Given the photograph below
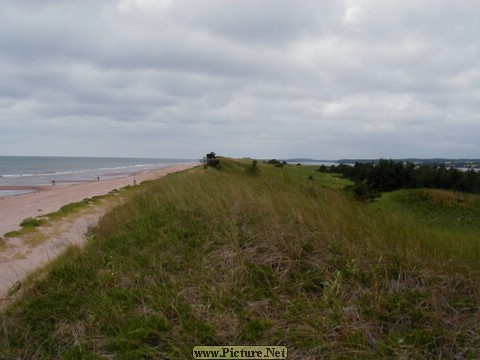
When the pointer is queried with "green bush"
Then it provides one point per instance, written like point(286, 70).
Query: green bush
point(31, 223)
point(363, 192)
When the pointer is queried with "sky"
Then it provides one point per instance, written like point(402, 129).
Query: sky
point(243, 78)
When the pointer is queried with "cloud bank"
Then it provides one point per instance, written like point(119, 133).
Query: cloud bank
point(269, 78)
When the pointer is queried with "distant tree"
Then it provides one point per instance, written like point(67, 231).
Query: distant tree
point(323, 169)
point(389, 175)
point(276, 163)
point(211, 160)
point(426, 176)
point(471, 182)
point(211, 156)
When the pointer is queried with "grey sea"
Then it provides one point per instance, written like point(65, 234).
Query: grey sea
point(21, 172)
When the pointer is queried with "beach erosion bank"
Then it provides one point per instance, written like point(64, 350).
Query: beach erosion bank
point(19, 259)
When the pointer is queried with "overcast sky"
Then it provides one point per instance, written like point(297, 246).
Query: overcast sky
point(243, 78)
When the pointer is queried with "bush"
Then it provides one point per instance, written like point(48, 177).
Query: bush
point(363, 192)
point(253, 169)
point(276, 163)
point(31, 223)
point(211, 160)
point(215, 163)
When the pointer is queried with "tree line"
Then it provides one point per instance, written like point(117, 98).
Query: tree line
point(389, 175)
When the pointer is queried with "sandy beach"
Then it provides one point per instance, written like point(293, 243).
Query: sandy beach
point(17, 259)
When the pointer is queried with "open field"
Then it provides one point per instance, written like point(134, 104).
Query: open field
point(284, 257)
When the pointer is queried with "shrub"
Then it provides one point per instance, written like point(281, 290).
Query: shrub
point(253, 169)
point(211, 160)
point(363, 192)
point(31, 223)
point(273, 162)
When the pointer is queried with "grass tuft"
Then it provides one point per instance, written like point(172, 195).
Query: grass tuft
point(28, 225)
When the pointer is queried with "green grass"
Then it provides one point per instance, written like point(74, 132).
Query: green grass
point(450, 220)
point(301, 173)
point(74, 207)
point(441, 208)
point(28, 225)
point(219, 257)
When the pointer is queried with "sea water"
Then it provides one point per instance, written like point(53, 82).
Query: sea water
point(39, 170)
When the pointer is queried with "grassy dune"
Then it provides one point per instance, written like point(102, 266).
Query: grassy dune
point(221, 257)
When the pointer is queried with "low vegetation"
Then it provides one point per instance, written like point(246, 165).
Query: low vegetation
point(74, 207)
point(27, 226)
point(286, 257)
point(211, 160)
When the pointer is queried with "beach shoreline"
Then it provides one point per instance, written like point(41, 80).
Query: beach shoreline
point(42, 200)
point(17, 259)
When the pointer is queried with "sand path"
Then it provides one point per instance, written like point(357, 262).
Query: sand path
point(18, 257)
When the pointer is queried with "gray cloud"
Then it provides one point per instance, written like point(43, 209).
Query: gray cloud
point(266, 78)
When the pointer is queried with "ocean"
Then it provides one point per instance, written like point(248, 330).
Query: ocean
point(25, 171)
